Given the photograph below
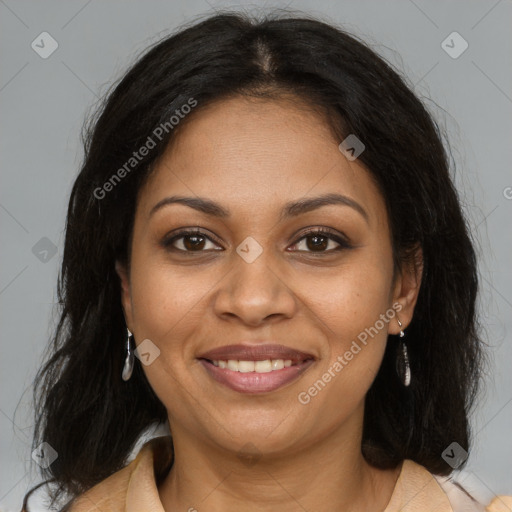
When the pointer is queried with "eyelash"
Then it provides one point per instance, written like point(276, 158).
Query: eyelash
point(322, 232)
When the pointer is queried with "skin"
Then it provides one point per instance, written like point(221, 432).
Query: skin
point(251, 156)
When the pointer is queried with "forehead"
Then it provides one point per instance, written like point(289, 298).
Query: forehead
point(252, 154)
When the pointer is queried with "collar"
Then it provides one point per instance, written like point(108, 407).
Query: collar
point(150, 468)
point(135, 487)
point(417, 490)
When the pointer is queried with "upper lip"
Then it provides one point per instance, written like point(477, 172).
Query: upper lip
point(260, 352)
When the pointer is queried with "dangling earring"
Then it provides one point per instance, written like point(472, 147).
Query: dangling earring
point(128, 362)
point(403, 367)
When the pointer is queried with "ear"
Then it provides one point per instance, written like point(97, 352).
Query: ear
point(126, 299)
point(406, 289)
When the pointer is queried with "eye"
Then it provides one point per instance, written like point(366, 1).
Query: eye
point(316, 240)
point(321, 240)
point(189, 241)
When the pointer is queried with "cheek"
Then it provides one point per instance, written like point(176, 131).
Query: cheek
point(349, 299)
point(166, 310)
point(166, 299)
point(356, 341)
point(351, 307)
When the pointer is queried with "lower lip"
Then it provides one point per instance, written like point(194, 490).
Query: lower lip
point(253, 382)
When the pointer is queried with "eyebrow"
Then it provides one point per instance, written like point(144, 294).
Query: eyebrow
point(290, 209)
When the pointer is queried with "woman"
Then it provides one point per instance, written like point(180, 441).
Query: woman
point(264, 249)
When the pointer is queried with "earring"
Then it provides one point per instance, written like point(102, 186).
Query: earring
point(403, 366)
point(402, 333)
point(128, 362)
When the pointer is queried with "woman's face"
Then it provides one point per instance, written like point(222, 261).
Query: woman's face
point(253, 276)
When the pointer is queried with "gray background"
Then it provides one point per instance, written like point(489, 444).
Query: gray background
point(43, 103)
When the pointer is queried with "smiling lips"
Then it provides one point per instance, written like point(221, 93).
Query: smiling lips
point(255, 369)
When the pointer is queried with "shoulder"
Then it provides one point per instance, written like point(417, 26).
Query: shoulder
point(462, 500)
point(111, 494)
point(440, 493)
point(500, 504)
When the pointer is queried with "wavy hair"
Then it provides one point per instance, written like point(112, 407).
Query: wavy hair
point(87, 413)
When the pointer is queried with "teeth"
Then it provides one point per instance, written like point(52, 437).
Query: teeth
point(278, 364)
point(233, 365)
point(241, 366)
point(266, 366)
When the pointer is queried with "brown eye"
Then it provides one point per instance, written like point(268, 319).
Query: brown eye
point(189, 241)
point(193, 242)
point(321, 241)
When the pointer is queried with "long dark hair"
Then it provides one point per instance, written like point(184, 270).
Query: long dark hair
point(83, 408)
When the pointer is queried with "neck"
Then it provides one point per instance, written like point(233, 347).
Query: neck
point(329, 474)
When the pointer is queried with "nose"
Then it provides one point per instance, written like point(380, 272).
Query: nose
point(255, 292)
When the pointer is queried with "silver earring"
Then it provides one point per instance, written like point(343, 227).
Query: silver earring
point(129, 360)
point(403, 366)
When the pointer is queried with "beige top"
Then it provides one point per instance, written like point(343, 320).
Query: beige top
point(135, 488)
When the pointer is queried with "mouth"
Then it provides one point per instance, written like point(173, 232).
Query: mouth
point(255, 369)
